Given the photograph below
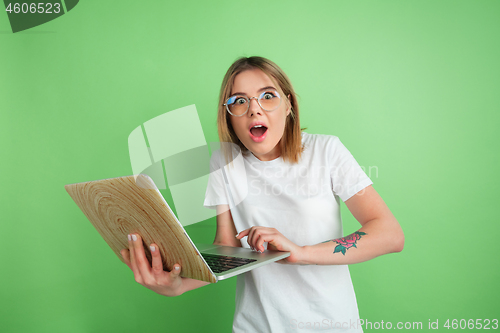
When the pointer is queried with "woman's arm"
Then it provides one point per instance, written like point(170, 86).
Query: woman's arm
point(380, 234)
point(225, 228)
point(152, 276)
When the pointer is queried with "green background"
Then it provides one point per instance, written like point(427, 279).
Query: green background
point(410, 87)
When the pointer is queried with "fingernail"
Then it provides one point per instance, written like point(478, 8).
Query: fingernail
point(129, 237)
point(134, 237)
point(177, 268)
point(152, 248)
point(259, 251)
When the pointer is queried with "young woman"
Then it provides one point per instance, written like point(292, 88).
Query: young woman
point(290, 202)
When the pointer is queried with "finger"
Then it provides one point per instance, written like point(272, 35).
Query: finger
point(272, 240)
point(259, 244)
point(265, 236)
point(157, 263)
point(242, 233)
point(126, 257)
point(250, 234)
point(174, 273)
point(157, 267)
point(256, 235)
point(133, 261)
point(140, 256)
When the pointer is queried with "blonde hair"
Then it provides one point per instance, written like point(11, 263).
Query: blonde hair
point(291, 142)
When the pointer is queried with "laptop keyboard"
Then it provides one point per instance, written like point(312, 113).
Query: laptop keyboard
point(220, 264)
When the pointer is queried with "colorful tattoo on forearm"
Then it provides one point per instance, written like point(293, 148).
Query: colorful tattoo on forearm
point(347, 242)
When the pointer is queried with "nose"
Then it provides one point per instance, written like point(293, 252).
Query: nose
point(254, 107)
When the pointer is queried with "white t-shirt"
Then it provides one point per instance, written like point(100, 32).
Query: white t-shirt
point(302, 202)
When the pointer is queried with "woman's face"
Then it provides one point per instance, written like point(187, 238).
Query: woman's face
point(263, 142)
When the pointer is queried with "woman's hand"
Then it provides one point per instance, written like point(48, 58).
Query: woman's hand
point(151, 276)
point(256, 236)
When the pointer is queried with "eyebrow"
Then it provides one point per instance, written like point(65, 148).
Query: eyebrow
point(265, 88)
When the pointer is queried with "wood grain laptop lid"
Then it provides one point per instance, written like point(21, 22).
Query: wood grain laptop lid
point(117, 207)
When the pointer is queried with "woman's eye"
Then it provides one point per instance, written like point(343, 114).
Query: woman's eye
point(240, 101)
point(268, 95)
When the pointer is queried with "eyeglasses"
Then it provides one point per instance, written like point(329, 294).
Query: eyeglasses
point(238, 105)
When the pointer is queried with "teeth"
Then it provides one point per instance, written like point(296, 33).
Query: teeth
point(257, 126)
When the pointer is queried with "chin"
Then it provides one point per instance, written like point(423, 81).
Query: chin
point(261, 150)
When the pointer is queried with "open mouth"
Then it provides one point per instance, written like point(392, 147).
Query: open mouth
point(258, 133)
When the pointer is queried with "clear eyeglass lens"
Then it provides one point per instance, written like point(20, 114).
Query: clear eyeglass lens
point(238, 104)
point(269, 100)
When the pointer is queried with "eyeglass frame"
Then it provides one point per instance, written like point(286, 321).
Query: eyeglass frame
point(249, 101)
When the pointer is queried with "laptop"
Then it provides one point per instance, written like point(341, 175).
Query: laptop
point(119, 206)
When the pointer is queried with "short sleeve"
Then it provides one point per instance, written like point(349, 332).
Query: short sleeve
point(216, 191)
point(347, 177)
